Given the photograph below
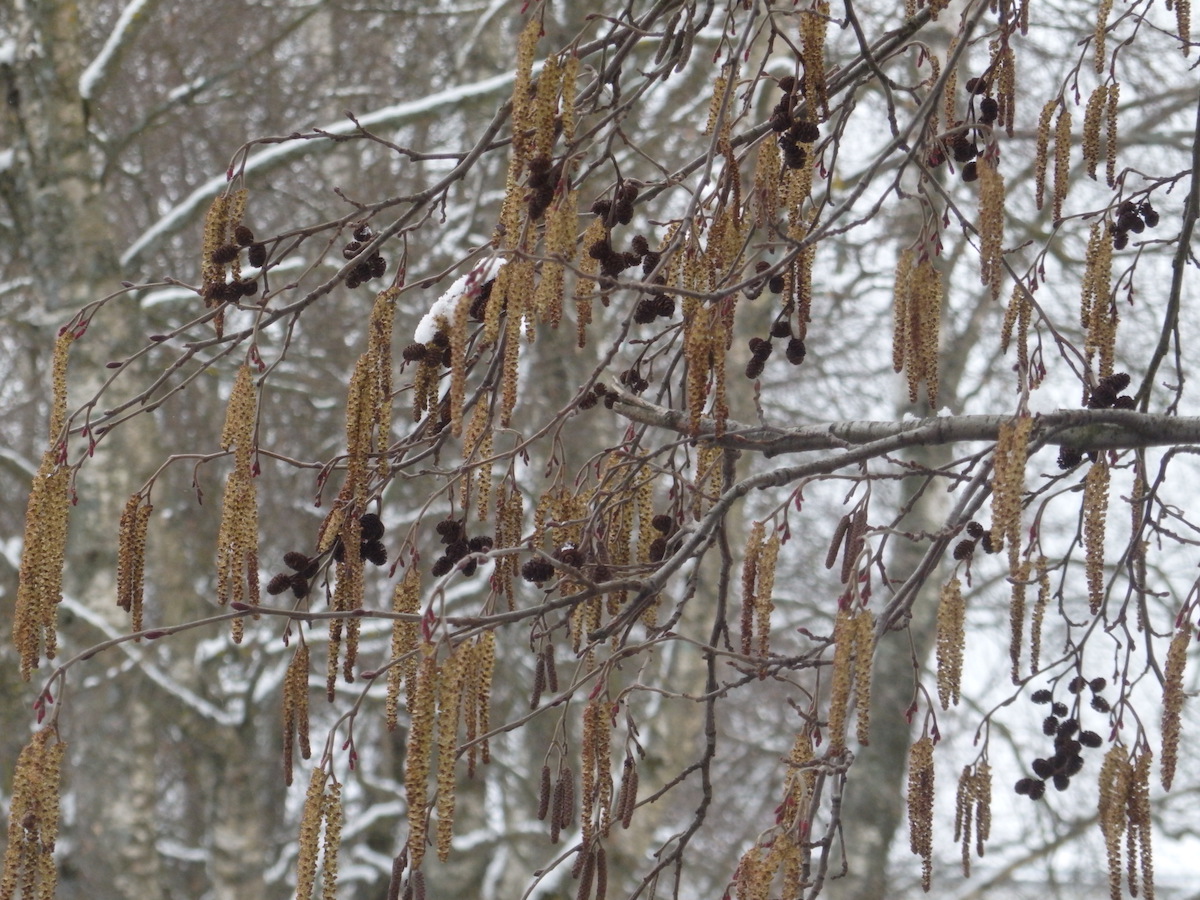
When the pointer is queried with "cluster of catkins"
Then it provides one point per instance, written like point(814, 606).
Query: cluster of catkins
point(453, 534)
point(1106, 395)
point(1135, 217)
point(372, 267)
point(232, 291)
point(305, 568)
point(1069, 740)
point(792, 132)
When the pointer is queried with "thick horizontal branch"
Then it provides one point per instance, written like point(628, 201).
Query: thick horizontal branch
point(1085, 429)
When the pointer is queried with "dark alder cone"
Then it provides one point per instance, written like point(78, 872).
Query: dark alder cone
point(775, 285)
point(627, 193)
point(640, 245)
point(1102, 397)
point(759, 348)
point(664, 305)
point(796, 351)
point(781, 118)
point(600, 574)
point(226, 253)
point(374, 552)
point(1022, 786)
point(1062, 782)
point(1149, 214)
point(339, 551)
point(296, 561)
point(257, 255)
point(457, 550)
point(935, 157)
point(537, 570)
point(570, 555)
point(986, 543)
point(540, 200)
point(363, 232)
point(1069, 457)
point(480, 543)
point(372, 526)
point(469, 567)
point(624, 211)
point(588, 400)
point(1068, 728)
point(970, 172)
point(781, 329)
point(353, 280)
point(1098, 684)
point(450, 530)
point(1049, 725)
point(975, 530)
point(440, 339)
point(645, 311)
point(279, 584)
point(1090, 739)
point(1037, 789)
point(539, 170)
point(1120, 239)
point(650, 260)
point(1041, 696)
point(658, 549)
point(965, 151)
point(1042, 768)
point(1125, 402)
point(441, 566)
point(1059, 708)
point(414, 352)
point(794, 156)
point(964, 549)
point(247, 287)
point(243, 235)
point(976, 85)
point(805, 131)
point(1077, 684)
point(377, 266)
point(601, 208)
point(1099, 704)
point(1072, 765)
point(662, 522)
point(787, 84)
point(1118, 381)
point(754, 367)
point(352, 250)
point(299, 585)
point(989, 109)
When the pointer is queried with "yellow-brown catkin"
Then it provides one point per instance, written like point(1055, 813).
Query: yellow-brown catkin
point(1103, 8)
point(310, 835)
point(331, 811)
point(842, 678)
point(864, 654)
point(1042, 153)
point(991, 225)
point(1095, 511)
point(1039, 614)
point(1006, 87)
point(1016, 618)
point(767, 184)
point(1062, 160)
point(485, 669)
point(585, 284)
point(1139, 851)
point(596, 769)
point(950, 89)
point(520, 290)
point(754, 874)
point(523, 94)
point(1183, 23)
point(39, 587)
point(295, 710)
point(720, 86)
point(1116, 776)
point(768, 557)
point(900, 339)
point(1092, 117)
point(1101, 338)
point(749, 579)
point(951, 616)
point(450, 688)
point(1018, 315)
point(33, 818)
point(1008, 486)
point(379, 349)
point(813, 24)
point(1172, 707)
point(919, 300)
point(545, 107)
point(422, 703)
point(237, 538)
point(920, 805)
point(131, 558)
point(1110, 134)
point(973, 811)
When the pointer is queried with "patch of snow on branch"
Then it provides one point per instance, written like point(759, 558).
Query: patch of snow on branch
point(98, 67)
point(444, 306)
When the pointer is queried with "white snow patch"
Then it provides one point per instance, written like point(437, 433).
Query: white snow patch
point(98, 67)
point(444, 306)
point(390, 116)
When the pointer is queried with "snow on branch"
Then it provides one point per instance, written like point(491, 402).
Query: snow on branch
point(389, 117)
point(99, 69)
point(1085, 429)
